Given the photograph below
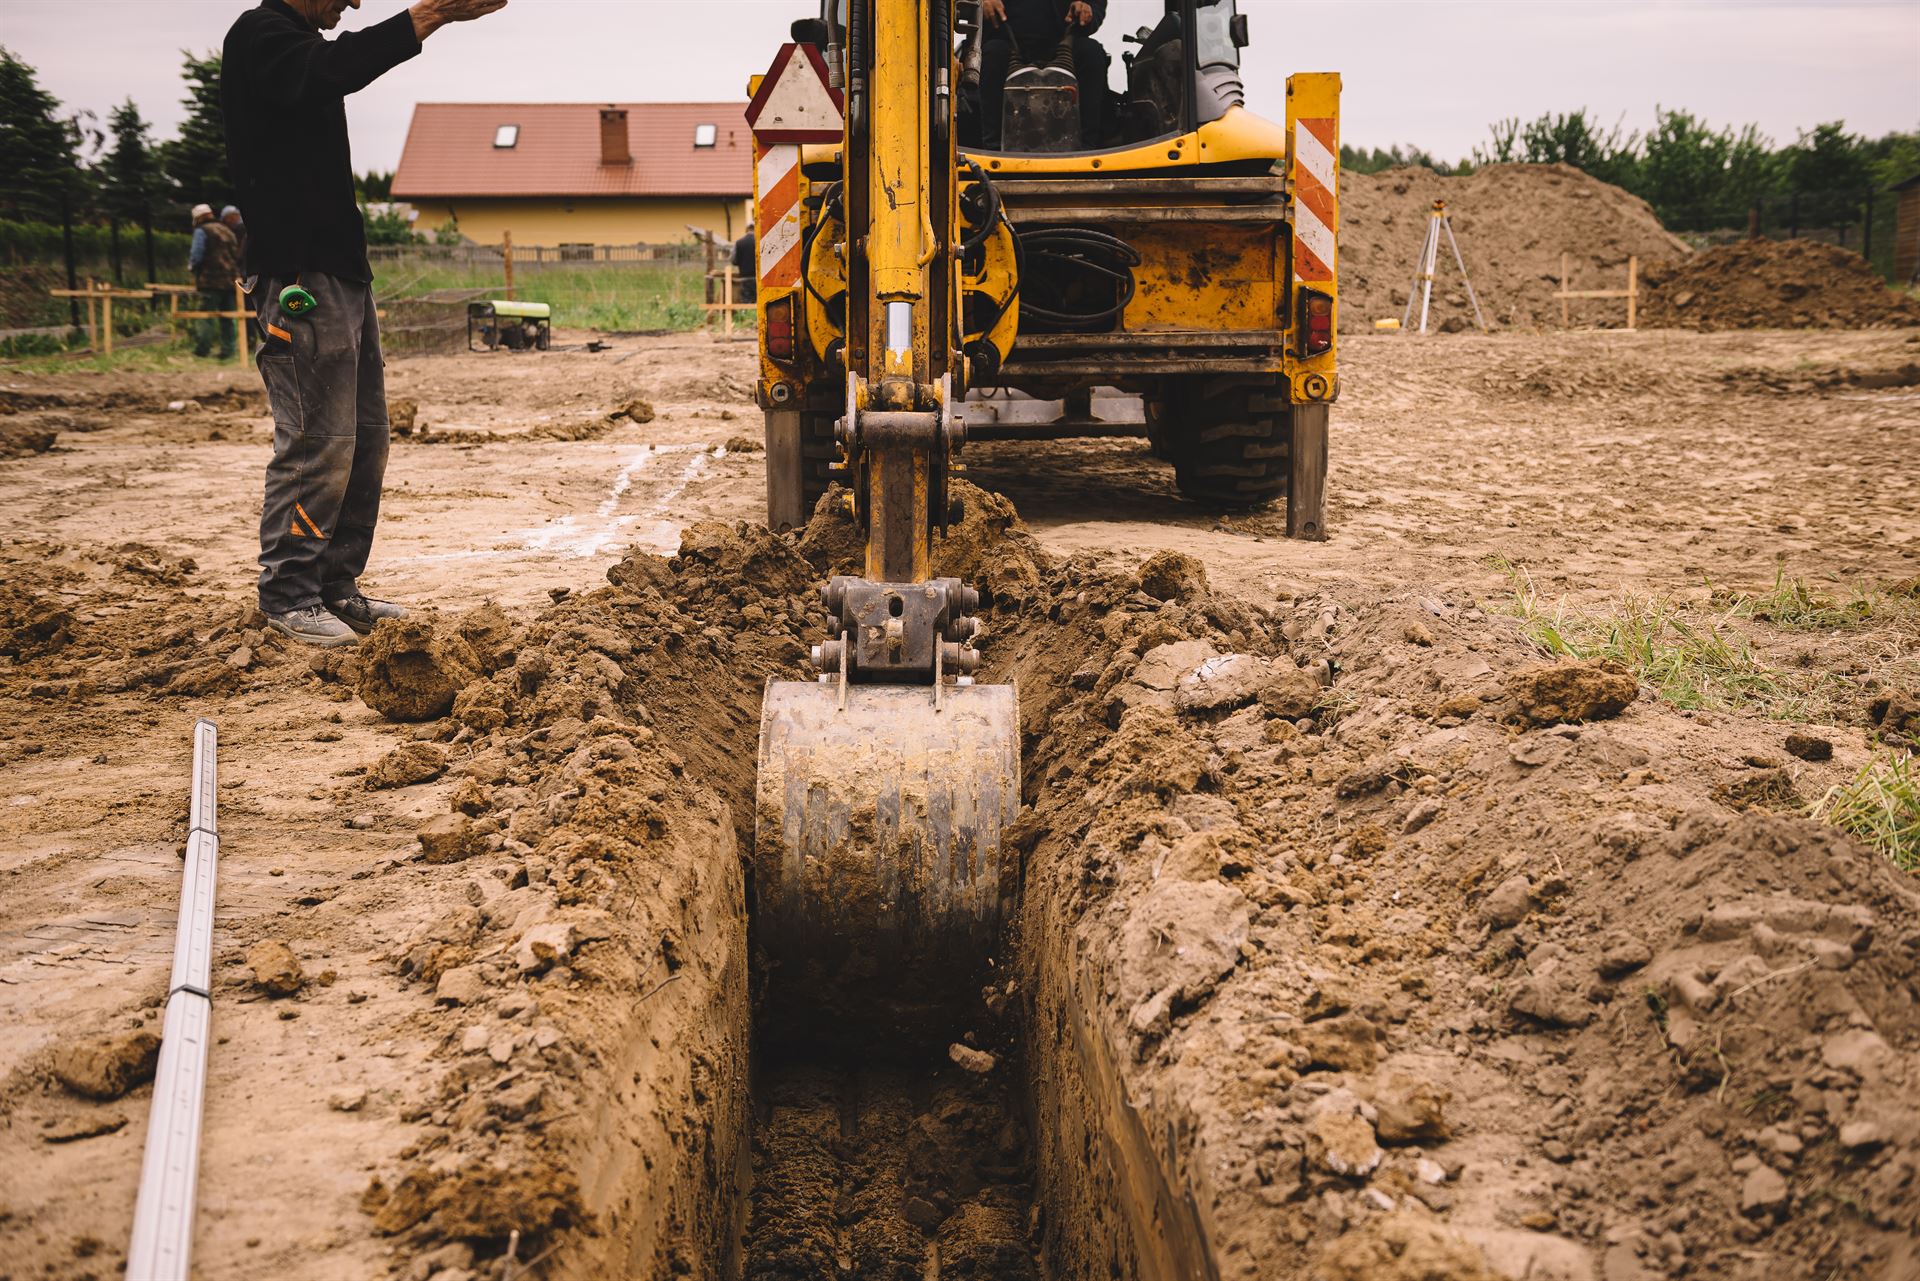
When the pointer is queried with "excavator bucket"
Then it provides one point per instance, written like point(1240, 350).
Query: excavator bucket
point(878, 873)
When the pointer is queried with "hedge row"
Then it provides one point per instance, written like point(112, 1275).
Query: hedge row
point(42, 244)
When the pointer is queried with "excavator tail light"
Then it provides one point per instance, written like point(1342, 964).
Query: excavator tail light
point(1316, 322)
point(777, 328)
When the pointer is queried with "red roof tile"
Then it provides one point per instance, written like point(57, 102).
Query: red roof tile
point(450, 151)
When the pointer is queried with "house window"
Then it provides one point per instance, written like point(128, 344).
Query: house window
point(705, 135)
point(506, 136)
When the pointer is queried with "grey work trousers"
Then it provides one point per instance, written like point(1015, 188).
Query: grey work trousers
point(327, 388)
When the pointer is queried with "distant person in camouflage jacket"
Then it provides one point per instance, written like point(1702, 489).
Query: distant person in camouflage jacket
point(214, 261)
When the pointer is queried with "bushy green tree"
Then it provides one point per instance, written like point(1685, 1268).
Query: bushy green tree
point(196, 161)
point(1894, 158)
point(1503, 147)
point(1697, 177)
point(389, 227)
point(1570, 138)
point(375, 185)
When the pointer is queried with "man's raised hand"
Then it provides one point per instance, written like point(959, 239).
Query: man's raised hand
point(430, 15)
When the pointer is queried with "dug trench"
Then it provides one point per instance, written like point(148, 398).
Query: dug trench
point(1353, 940)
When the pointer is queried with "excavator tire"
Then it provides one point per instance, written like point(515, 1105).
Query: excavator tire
point(1157, 426)
point(817, 453)
point(1228, 440)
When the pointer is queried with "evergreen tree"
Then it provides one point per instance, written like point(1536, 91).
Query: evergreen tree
point(39, 168)
point(196, 161)
point(130, 179)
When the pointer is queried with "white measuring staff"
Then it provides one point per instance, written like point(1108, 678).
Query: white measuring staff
point(163, 1216)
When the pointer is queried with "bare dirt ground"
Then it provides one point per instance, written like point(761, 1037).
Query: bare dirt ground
point(1372, 952)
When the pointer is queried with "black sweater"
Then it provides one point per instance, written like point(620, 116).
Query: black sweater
point(283, 91)
point(1044, 21)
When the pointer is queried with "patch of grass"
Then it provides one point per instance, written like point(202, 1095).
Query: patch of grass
point(175, 355)
point(1332, 707)
point(612, 296)
point(1881, 806)
point(1691, 662)
point(1792, 603)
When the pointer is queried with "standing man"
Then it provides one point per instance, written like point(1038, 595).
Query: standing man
point(238, 226)
point(283, 89)
point(214, 260)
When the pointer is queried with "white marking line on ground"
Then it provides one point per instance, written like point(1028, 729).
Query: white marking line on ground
point(569, 537)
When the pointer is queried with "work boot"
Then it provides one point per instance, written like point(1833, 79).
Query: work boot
point(313, 626)
point(362, 612)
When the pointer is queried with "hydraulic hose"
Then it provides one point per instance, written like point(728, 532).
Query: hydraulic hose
point(1087, 252)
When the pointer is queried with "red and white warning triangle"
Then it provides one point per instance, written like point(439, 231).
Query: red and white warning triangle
point(795, 103)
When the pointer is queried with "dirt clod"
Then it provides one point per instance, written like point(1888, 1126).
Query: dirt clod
point(1343, 1144)
point(969, 1058)
point(411, 668)
point(1411, 1110)
point(1403, 1247)
point(106, 1067)
point(1810, 747)
point(478, 1202)
point(446, 838)
point(406, 765)
point(1172, 576)
point(1575, 691)
point(276, 970)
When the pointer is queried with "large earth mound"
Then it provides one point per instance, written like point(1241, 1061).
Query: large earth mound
point(1513, 222)
point(1773, 284)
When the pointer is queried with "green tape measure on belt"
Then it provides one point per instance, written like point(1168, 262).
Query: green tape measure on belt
point(296, 301)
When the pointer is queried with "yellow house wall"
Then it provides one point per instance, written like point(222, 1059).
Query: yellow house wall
point(554, 221)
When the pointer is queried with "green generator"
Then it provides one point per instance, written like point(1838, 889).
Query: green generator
point(517, 326)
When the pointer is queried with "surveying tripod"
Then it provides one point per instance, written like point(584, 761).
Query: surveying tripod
point(1437, 222)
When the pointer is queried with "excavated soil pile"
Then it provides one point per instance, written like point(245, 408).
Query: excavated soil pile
point(1513, 222)
point(1463, 966)
point(1773, 284)
point(79, 625)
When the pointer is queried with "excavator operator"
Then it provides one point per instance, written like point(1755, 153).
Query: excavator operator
point(1032, 31)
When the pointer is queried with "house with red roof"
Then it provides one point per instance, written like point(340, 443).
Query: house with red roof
point(578, 173)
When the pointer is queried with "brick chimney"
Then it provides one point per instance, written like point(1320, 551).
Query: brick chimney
point(613, 137)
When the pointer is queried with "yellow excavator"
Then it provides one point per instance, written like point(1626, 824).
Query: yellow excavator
point(919, 265)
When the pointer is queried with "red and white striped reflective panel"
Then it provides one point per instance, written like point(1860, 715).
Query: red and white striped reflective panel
point(1314, 213)
point(777, 182)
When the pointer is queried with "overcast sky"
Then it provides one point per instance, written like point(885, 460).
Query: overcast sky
point(1424, 72)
